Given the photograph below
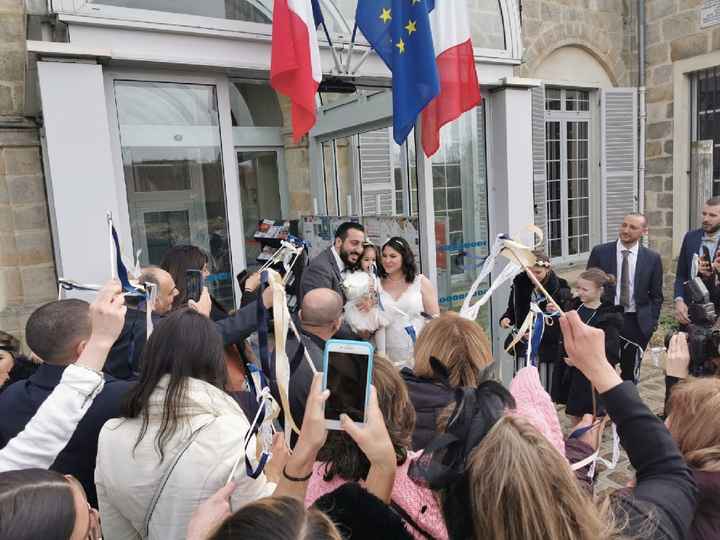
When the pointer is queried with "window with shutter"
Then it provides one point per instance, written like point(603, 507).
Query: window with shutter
point(618, 134)
point(566, 172)
point(538, 150)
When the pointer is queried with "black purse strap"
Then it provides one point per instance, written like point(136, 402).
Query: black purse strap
point(410, 521)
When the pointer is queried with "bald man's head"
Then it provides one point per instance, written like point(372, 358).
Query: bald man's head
point(165, 287)
point(321, 308)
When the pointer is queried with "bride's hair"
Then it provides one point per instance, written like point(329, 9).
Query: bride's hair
point(400, 245)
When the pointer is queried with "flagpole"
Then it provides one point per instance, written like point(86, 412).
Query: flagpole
point(350, 49)
point(332, 48)
point(361, 61)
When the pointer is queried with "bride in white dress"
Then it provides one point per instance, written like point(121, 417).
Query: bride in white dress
point(407, 298)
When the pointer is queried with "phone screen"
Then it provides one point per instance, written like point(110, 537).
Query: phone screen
point(195, 284)
point(347, 378)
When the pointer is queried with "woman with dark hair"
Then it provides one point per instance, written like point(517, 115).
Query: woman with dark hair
point(35, 503)
point(176, 262)
point(406, 297)
point(341, 460)
point(181, 436)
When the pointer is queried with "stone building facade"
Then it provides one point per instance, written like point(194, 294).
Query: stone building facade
point(27, 269)
point(606, 29)
point(591, 45)
point(674, 37)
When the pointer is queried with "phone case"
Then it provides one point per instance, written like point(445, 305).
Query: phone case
point(335, 424)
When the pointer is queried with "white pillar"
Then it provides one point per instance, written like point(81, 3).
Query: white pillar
point(510, 182)
point(81, 179)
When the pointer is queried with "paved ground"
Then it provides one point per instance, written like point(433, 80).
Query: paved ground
point(652, 390)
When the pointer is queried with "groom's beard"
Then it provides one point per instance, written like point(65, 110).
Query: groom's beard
point(351, 266)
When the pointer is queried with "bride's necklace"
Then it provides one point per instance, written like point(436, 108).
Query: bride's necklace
point(398, 280)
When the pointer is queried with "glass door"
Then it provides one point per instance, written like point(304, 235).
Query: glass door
point(172, 163)
point(260, 194)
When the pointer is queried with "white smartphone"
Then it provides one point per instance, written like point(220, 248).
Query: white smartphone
point(347, 372)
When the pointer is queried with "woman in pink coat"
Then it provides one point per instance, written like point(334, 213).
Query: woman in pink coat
point(340, 460)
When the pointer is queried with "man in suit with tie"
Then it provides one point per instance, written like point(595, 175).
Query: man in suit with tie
point(638, 289)
point(708, 236)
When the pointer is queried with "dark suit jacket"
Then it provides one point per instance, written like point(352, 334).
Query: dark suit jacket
point(20, 402)
point(301, 380)
point(322, 272)
point(124, 359)
point(647, 286)
point(690, 247)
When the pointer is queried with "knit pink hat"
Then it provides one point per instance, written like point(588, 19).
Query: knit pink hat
point(534, 404)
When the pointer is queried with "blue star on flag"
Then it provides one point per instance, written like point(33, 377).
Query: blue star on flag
point(399, 31)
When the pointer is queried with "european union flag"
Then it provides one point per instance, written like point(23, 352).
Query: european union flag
point(399, 31)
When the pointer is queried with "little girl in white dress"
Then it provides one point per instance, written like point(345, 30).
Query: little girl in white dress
point(361, 289)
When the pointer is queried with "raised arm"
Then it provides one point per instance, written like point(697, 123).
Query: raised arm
point(54, 423)
point(663, 479)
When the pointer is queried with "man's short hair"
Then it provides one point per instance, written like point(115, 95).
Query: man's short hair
point(713, 201)
point(54, 330)
point(342, 230)
point(638, 215)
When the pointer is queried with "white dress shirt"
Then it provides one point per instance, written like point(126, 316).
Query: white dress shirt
point(338, 260)
point(632, 261)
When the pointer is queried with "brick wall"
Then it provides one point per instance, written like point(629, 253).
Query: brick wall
point(27, 271)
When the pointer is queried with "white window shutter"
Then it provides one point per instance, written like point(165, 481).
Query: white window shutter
point(618, 157)
point(538, 154)
point(376, 173)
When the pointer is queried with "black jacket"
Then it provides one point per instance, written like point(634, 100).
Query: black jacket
point(301, 379)
point(124, 359)
point(20, 402)
point(429, 397)
point(519, 306)
point(358, 514)
point(575, 389)
point(609, 319)
point(648, 283)
point(706, 525)
point(665, 494)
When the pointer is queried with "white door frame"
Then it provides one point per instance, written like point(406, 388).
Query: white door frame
point(233, 203)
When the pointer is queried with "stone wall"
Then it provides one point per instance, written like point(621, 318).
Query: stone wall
point(297, 161)
point(604, 28)
point(27, 270)
point(673, 33)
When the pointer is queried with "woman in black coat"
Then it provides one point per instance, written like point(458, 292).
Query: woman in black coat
point(596, 310)
point(522, 293)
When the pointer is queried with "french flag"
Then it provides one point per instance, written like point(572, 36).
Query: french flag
point(459, 88)
point(295, 69)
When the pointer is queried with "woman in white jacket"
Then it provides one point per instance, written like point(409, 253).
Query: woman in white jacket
point(179, 419)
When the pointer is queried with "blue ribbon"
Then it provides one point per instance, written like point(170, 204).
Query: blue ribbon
point(121, 270)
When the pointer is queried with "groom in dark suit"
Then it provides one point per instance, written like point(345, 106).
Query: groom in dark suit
point(638, 288)
point(326, 270)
